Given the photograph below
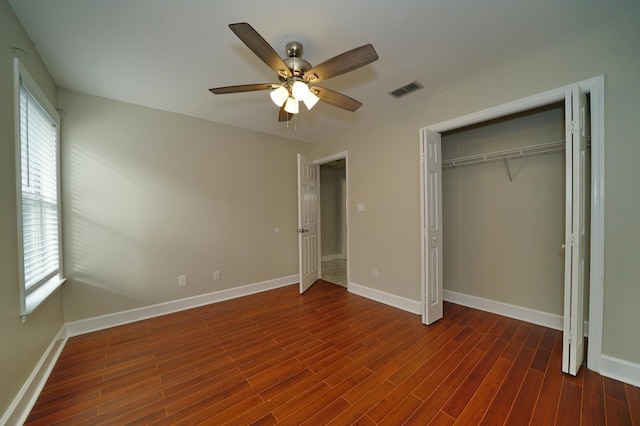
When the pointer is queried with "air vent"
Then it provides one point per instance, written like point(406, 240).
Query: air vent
point(405, 90)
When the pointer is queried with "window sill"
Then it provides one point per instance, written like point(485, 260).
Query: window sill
point(34, 299)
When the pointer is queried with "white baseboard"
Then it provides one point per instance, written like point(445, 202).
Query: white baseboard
point(386, 298)
point(329, 257)
point(518, 312)
point(125, 317)
point(619, 369)
point(21, 406)
point(544, 319)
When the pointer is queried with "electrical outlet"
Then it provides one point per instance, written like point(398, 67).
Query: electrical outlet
point(182, 281)
point(375, 273)
point(216, 275)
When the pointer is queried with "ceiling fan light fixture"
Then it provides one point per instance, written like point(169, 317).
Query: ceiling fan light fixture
point(311, 100)
point(296, 76)
point(279, 96)
point(300, 90)
point(291, 106)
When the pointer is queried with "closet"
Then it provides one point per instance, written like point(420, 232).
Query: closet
point(503, 211)
point(503, 204)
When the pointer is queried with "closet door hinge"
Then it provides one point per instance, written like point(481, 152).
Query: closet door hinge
point(572, 240)
point(572, 126)
point(572, 338)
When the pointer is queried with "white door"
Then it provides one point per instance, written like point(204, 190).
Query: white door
point(576, 143)
point(307, 222)
point(431, 182)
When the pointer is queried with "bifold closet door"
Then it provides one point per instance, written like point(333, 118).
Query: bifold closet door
point(575, 242)
point(431, 182)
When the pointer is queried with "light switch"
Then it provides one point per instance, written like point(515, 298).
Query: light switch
point(360, 207)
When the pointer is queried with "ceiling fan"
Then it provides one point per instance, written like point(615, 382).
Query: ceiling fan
point(297, 78)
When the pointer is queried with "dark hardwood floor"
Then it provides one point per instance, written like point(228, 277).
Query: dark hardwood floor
point(327, 357)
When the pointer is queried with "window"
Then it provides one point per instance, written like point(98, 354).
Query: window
point(38, 193)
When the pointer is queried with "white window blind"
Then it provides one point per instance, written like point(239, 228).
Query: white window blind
point(39, 191)
point(38, 198)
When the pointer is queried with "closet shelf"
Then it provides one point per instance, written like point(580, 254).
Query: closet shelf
point(507, 154)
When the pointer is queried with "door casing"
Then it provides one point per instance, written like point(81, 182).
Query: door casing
point(338, 156)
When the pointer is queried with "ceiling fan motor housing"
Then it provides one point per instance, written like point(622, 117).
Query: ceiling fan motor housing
point(294, 61)
point(294, 49)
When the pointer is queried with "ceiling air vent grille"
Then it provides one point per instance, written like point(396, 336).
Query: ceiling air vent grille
point(405, 90)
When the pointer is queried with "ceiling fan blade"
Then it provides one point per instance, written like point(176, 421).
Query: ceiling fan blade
point(242, 88)
point(336, 99)
point(284, 115)
point(348, 61)
point(261, 48)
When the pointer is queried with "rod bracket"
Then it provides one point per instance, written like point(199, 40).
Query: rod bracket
point(506, 163)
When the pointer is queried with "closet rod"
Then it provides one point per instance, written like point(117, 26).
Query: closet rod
point(526, 151)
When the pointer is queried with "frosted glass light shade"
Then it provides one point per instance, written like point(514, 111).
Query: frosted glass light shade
point(311, 100)
point(291, 106)
point(300, 90)
point(279, 96)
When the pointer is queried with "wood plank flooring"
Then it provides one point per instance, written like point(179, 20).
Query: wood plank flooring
point(326, 357)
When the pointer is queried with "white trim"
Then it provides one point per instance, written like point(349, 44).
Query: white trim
point(521, 313)
point(595, 87)
point(34, 299)
point(399, 302)
point(423, 227)
point(619, 369)
point(330, 257)
point(29, 302)
point(544, 319)
point(332, 157)
point(125, 317)
point(22, 404)
point(30, 83)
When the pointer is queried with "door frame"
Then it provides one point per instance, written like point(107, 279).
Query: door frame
point(595, 88)
point(337, 156)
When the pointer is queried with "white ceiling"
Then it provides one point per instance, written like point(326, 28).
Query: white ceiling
point(166, 54)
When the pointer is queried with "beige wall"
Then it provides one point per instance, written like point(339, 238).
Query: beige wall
point(22, 344)
point(384, 171)
point(502, 239)
point(330, 205)
point(152, 195)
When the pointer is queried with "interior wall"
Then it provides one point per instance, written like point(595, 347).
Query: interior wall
point(22, 344)
point(152, 195)
point(384, 170)
point(330, 209)
point(502, 239)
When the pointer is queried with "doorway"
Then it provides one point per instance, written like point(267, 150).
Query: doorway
point(431, 211)
point(333, 253)
point(333, 219)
